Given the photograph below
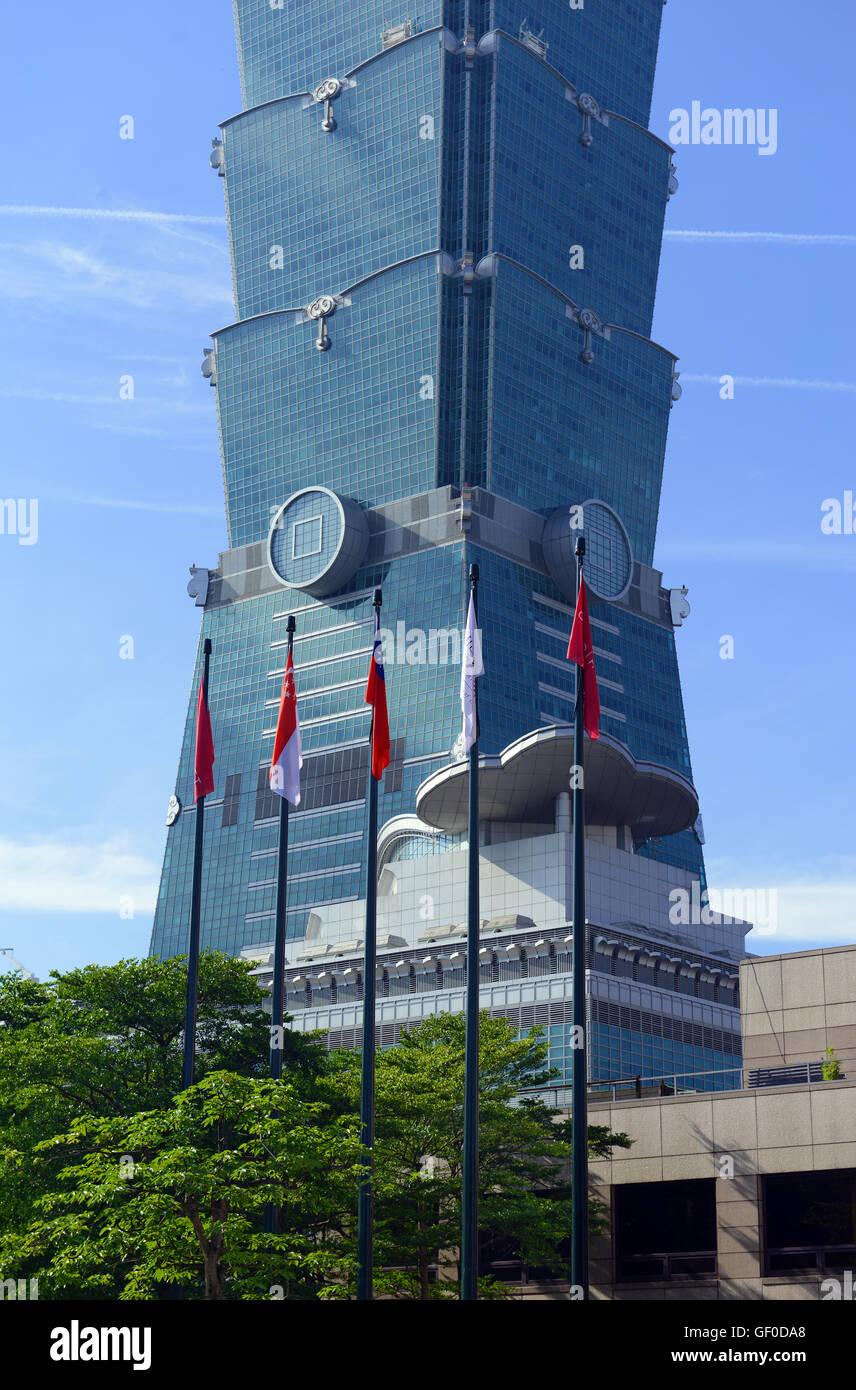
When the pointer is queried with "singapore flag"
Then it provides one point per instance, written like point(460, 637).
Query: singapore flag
point(287, 759)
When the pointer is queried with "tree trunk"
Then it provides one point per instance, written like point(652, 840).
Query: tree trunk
point(213, 1278)
point(422, 1262)
point(211, 1247)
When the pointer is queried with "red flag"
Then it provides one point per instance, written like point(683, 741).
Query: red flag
point(376, 695)
point(204, 782)
point(287, 760)
point(581, 651)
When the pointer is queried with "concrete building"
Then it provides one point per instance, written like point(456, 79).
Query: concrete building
point(748, 1194)
point(662, 999)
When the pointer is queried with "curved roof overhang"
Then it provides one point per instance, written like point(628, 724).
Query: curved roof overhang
point(521, 784)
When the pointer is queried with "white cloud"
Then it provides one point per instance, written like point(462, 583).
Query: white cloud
point(26, 393)
point(768, 238)
point(796, 383)
point(109, 214)
point(141, 404)
point(815, 904)
point(129, 505)
point(815, 912)
point(55, 272)
point(168, 437)
point(167, 219)
point(55, 876)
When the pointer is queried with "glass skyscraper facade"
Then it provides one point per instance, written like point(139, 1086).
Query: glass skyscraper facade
point(445, 231)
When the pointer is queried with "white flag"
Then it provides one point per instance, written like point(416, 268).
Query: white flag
point(471, 667)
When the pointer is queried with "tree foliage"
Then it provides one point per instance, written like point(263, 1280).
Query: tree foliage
point(175, 1197)
point(106, 1041)
point(524, 1156)
point(113, 1186)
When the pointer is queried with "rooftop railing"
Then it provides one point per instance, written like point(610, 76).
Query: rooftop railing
point(817, 1072)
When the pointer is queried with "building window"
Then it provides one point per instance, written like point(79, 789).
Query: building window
point(809, 1221)
point(665, 1230)
point(232, 800)
point(306, 538)
point(500, 1256)
point(267, 802)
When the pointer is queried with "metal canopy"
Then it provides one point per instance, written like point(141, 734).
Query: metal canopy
point(522, 782)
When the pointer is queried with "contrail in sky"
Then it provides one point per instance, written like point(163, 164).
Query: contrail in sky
point(787, 382)
point(786, 238)
point(110, 214)
point(671, 233)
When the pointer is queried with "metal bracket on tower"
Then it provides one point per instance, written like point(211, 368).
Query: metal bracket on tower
point(217, 157)
point(324, 95)
point(467, 271)
point(468, 47)
point(320, 310)
point(679, 608)
point(198, 586)
point(488, 267)
point(209, 366)
point(592, 327)
point(591, 112)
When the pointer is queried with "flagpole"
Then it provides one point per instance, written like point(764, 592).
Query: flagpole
point(470, 1198)
point(271, 1220)
point(278, 989)
point(365, 1213)
point(195, 904)
point(579, 1120)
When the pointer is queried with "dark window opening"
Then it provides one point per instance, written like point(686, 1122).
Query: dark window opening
point(501, 1258)
point(231, 800)
point(332, 779)
point(809, 1221)
point(665, 1230)
point(267, 802)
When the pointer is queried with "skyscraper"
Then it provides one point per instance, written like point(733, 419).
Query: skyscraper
point(445, 231)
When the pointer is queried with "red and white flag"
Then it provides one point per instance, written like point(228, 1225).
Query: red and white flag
point(203, 782)
point(581, 651)
point(287, 758)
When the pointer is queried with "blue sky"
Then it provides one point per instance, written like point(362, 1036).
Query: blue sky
point(129, 491)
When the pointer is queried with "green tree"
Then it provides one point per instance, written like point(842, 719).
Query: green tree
point(524, 1154)
point(175, 1197)
point(106, 1041)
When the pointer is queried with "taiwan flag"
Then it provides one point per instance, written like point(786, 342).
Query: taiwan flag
point(376, 696)
point(287, 758)
point(204, 780)
point(581, 651)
